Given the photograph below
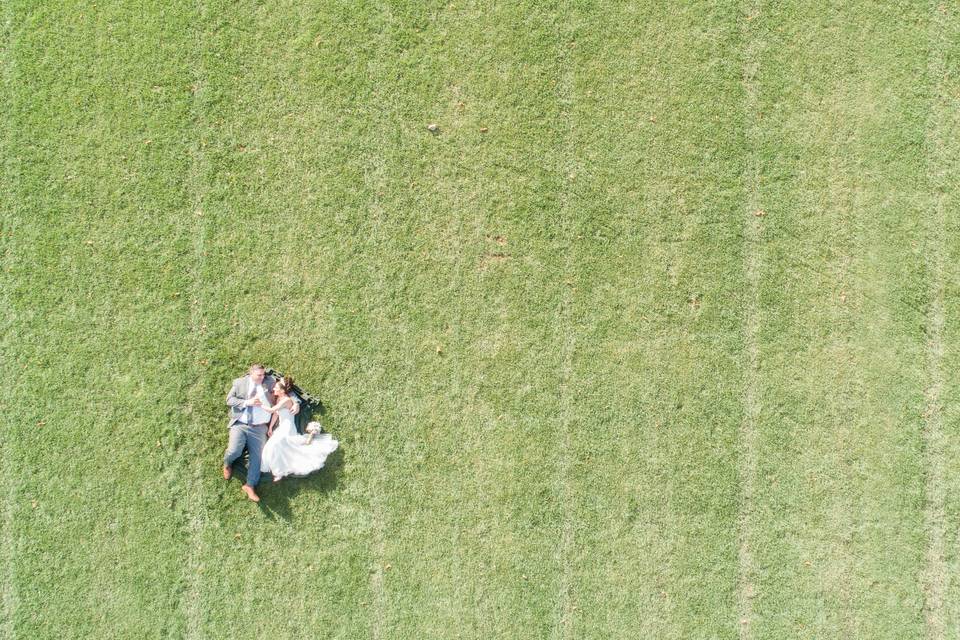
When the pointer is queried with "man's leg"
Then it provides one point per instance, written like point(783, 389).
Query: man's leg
point(238, 439)
point(256, 438)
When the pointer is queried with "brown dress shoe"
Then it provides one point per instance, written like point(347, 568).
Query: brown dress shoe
point(227, 473)
point(247, 489)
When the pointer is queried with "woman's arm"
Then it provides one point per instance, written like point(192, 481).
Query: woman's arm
point(273, 421)
point(275, 408)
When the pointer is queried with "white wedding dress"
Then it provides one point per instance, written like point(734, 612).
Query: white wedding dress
point(287, 453)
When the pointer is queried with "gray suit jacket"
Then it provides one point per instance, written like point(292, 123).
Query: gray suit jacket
point(241, 390)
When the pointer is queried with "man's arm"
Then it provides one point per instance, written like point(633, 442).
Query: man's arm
point(294, 403)
point(234, 398)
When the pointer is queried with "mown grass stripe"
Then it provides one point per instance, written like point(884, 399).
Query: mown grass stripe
point(376, 183)
point(935, 577)
point(752, 221)
point(196, 466)
point(100, 196)
point(944, 181)
point(8, 225)
point(285, 223)
point(568, 170)
point(658, 355)
point(839, 488)
point(8, 577)
point(484, 506)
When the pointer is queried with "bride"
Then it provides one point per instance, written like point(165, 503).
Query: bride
point(287, 453)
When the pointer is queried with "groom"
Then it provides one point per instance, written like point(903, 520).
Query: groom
point(248, 423)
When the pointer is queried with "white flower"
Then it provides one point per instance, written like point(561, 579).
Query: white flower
point(313, 428)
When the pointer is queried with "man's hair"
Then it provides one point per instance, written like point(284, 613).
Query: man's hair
point(256, 366)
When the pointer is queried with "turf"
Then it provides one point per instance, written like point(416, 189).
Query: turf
point(652, 337)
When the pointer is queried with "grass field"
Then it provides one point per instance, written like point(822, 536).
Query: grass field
point(655, 337)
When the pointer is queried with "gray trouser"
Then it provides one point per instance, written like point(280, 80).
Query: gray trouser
point(253, 438)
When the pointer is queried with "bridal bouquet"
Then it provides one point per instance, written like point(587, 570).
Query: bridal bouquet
point(313, 428)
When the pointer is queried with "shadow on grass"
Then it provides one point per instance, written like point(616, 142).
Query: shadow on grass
point(275, 497)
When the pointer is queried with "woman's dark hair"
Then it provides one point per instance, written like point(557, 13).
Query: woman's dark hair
point(287, 383)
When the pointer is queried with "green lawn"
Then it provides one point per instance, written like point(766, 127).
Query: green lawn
point(654, 337)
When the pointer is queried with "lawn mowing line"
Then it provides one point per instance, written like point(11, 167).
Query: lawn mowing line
point(568, 170)
point(377, 507)
point(194, 499)
point(8, 577)
point(751, 324)
point(377, 502)
point(935, 574)
point(9, 550)
point(374, 179)
point(460, 583)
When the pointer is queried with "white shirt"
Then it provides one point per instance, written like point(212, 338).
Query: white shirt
point(260, 415)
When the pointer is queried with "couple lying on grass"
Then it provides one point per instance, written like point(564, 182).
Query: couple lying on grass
point(262, 410)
